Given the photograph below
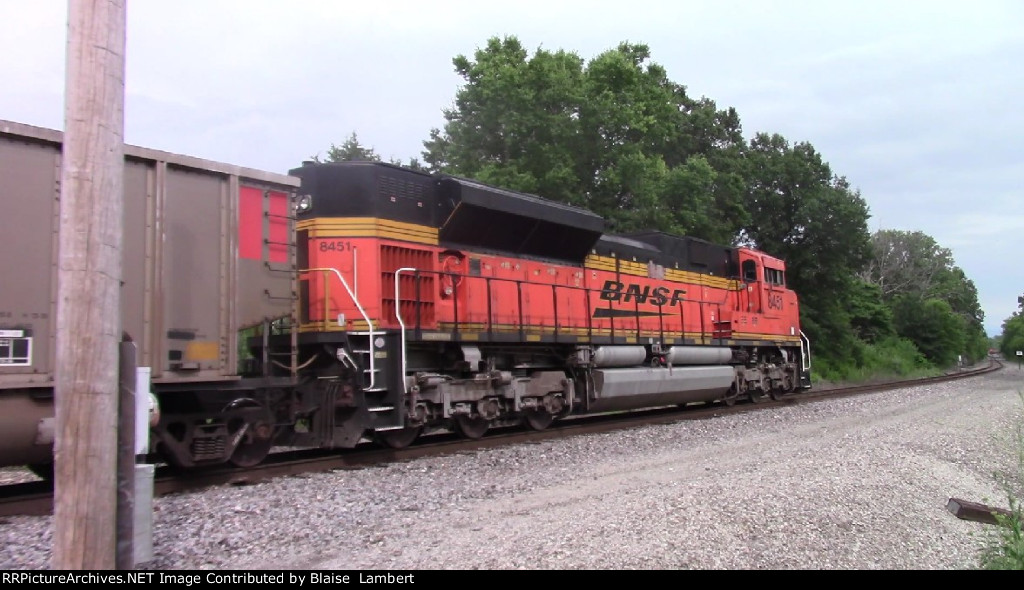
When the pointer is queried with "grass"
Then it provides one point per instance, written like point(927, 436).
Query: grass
point(884, 360)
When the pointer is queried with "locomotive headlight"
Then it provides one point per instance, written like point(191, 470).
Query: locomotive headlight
point(304, 203)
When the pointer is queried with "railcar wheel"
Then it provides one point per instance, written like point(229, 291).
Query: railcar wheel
point(473, 428)
point(398, 439)
point(254, 446)
point(538, 419)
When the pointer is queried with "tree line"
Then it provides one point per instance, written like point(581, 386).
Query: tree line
point(615, 135)
point(1012, 338)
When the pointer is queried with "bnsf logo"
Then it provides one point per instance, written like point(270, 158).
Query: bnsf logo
point(621, 292)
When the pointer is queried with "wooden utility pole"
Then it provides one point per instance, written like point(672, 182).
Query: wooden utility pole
point(88, 287)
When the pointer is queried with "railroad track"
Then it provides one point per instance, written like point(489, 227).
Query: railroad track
point(36, 497)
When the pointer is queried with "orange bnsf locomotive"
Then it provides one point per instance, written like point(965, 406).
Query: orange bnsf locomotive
point(433, 302)
point(360, 300)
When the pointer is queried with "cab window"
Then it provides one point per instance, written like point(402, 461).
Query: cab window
point(774, 276)
point(750, 271)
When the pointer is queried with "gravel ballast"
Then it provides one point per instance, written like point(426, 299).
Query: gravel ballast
point(855, 483)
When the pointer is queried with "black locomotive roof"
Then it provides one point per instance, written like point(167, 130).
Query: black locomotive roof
point(522, 204)
point(621, 243)
point(471, 214)
point(671, 251)
point(369, 189)
point(528, 225)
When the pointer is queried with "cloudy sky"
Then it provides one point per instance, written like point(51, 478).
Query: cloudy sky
point(920, 104)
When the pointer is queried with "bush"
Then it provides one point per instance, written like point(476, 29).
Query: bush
point(889, 357)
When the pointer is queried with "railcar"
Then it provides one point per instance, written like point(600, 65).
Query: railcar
point(360, 300)
point(208, 254)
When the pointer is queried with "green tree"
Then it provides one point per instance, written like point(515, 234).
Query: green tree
point(905, 262)
point(629, 115)
point(801, 212)
point(869, 315)
point(614, 135)
point(515, 121)
point(932, 325)
point(717, 135)
point(1012, 338)
point(350, 150)
point(953, 287)
point(913, 264)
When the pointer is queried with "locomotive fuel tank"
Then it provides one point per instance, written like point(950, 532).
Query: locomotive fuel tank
point(639, 387)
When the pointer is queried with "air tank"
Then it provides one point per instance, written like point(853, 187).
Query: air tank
point(698, 355)
point(619, 356)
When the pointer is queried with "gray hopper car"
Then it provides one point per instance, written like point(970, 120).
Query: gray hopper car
point(208, 252)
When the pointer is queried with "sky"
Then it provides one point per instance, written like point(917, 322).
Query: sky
point(919, 104)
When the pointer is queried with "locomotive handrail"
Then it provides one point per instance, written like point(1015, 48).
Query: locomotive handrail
point(398, 315)
point(805, 341)
point(636, 319)
point(359, 306)
point(632, 325)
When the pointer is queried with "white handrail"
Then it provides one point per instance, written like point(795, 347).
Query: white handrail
point(369, 323)
point(807, 342)
point(398, 315)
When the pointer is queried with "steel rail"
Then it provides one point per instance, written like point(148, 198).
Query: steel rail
point(36, 497)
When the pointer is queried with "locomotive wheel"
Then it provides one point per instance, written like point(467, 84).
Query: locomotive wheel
point(257, 437)
point(777, 393)
point(398, 439)
point(731, 396)
point(757, 394)
point(538, 419)
point(473, 428)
